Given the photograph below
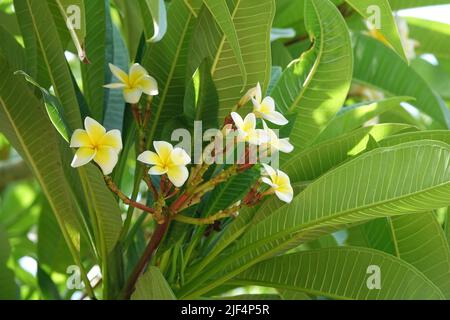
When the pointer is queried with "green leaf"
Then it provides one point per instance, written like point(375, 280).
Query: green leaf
point(404, 4)
point(342, 273)
point(302, 169)
point(9, 289)
point(318, 159)
point(9, 22)
point(132, 24)
point(53, 53)
point(430, 35)
point(52, 250)
point(380, 67)
point(387, 25)
point(53, 107)
point(253, 33)
point(201, 102)
point(115, 105)
point(280, 57)
point(103, 207)
point(316, 85)
point(49, 290)
point(96, 73)
point(73, 12)
point(417, 239)
point(435, 76)
point(420, 241)
point(166, 60)
point(21, 119)
point(383, 182)
point(221, 13)
point(157, 11)
point(228, 193)
point(35, 64)
point(251, 297)
point(153, 286)
point(438, 135)
point(375, 234)
point(12, 49)
point(293, 295)
point(352, 117)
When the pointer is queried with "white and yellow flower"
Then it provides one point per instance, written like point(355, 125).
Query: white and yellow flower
point(251, 94)
point(275, 143)
point(96, 144)
point(134, 84)
point(167, 160)
point(247, 131)
point(265, 108)
point(280, 184)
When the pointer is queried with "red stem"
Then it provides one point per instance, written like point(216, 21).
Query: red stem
point(156, 239)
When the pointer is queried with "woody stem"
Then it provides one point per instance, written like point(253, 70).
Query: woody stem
point(208, 220)
point(112, 186)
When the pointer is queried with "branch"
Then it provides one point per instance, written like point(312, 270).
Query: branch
point(231, 212)
point(156, 239)
point(112, 186)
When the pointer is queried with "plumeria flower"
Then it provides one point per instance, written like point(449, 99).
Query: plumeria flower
point(133, 84)
point(265, 108)
point(251, 94)
point(275, 143)
point(96, 144)
point(247, 131)
point(167, 160)
point(280, 184)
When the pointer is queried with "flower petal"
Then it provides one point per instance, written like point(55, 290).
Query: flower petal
point(285, 146)
point(258, 93)
point(283, 179)
point(269, 182)
point(150, 157)
point(238, 121)
point(137, 72)
point(132, 96)
point(83, 156)
point(94, 129)
point(285, 196)
point(164, 150)
point(115, 86)
point(258, 137)
point(250, 121)
point(251, 93)
point(267, 105)
point(80, 138)
point(269, 170)
point(113, 139)
point(157, 171)
point(180, 157)
point(276, 118)
point(178, 175)
point(148, 85)
point(118, 73)
point(106, 158)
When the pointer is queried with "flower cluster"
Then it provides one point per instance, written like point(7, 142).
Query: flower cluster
point(264, 109)
point(95, 143)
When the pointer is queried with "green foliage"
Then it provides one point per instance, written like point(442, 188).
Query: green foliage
point(368, 115)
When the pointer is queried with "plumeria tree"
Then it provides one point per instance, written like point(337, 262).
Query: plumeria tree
point(293, 149)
